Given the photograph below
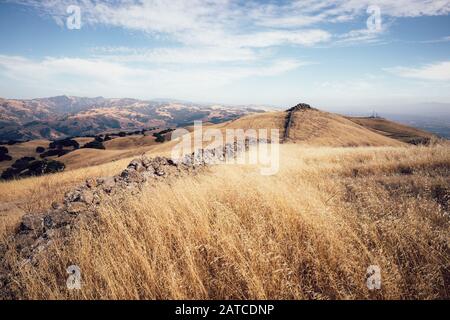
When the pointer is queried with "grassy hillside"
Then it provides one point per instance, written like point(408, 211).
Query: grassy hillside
point(394, 130)
point(267, 120)
point(115, 149)
point(310, 231)
point(316, 128)
point(309, 128)
point(130, 142)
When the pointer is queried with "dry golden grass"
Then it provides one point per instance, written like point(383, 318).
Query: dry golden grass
point(392, 129)
point(318, 128)
point(130, 142)
point(266, 120)
point(84, 158)
point(37, 193)
point(309, 231)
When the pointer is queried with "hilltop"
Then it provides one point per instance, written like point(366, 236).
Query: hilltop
point(307, 127)
point(312, 127)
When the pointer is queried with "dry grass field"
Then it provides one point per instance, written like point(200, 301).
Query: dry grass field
point(130, 142)
point(317, 128)
point(308, 232)
point(345, 198)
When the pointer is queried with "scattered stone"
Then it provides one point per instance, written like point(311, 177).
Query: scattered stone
point(87, 196)
point(30, 222)
point(76, 207)
point(56, 205)
point(106, 183)
point(36, 231)
point(300, 106)
point(91, 183)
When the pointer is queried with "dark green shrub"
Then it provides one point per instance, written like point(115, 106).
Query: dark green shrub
point(22, 163)
point(40, 149)
point(94, 145)
point(5, 157)
point(34, 168)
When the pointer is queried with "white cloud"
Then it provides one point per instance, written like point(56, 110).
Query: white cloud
point(179, 55)
point(310, 12)
point(99, 77)
point(438, 71)
point(211, 22)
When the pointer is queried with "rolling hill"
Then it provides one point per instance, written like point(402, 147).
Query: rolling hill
point(63, 116)
point(394, 130)
point(309, 127)
point(318, 128)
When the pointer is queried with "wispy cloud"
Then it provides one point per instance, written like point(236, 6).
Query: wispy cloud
point(97, 76)
point(438, 71)
point(440, 40)
point(178, 55)
point(237, 23)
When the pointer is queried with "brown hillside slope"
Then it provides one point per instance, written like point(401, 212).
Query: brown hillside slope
point(310, 127)
point(130, 142)
point(268, 120)
point(317, 128)
point(393, 130)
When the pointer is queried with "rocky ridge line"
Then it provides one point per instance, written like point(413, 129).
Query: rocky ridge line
point(290, 116)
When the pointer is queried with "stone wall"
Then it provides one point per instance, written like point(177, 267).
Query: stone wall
point(38, 230)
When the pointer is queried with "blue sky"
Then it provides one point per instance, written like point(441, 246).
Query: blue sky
point(329, 53)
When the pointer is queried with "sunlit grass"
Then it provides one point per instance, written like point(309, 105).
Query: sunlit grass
point(309, 231)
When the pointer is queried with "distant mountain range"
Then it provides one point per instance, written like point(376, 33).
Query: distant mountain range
point(67, 116)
